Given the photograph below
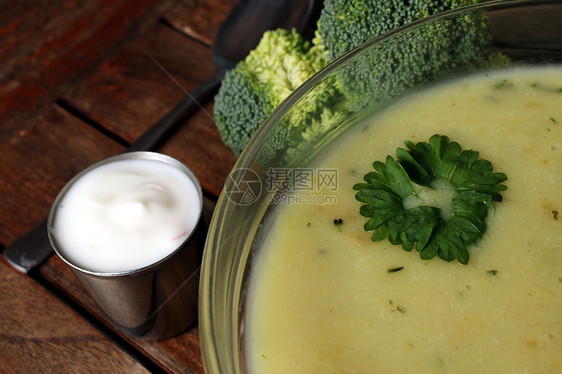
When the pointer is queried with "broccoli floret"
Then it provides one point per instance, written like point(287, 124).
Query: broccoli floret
point(281, 62)
point(319, 111)
point(346, 24)
point(403, 61)
point(284, 60)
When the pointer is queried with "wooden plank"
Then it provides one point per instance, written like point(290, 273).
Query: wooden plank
point(198, 144)
point(199, 19)
point(39, 334)
point(130, 92)
point(47, 45)
point(181, 354)
point(38, 161)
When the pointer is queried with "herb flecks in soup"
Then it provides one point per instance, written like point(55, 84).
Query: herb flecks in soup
point(432, 196)
point(324, 298)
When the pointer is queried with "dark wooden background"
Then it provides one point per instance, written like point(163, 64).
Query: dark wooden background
point(78, 83)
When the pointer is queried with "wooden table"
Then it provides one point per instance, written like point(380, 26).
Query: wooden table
point(78, 83)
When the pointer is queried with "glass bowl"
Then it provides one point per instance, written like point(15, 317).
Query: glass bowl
point(528, 32)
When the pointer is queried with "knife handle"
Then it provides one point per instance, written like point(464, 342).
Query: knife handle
point(29, 250)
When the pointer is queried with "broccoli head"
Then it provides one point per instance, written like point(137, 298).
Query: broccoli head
point(284, 60)
point(280, 63)
point(346, 24)
point(451, 43)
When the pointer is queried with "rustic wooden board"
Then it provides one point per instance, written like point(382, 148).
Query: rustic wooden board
point(129, 92)
point(39, 334)
point(38, 161)
point(38, 147)
point(146, 79)
point(95, 58)
point(45, 46)
point(199, 19)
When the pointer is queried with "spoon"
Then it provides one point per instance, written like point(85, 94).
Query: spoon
point(239, 33)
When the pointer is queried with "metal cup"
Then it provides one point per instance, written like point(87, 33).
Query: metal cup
point(156, 301)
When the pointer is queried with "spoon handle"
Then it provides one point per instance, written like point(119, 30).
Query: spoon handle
point(158, 132)
point(33, 248)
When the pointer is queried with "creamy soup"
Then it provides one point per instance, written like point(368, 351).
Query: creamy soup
point(324, 298)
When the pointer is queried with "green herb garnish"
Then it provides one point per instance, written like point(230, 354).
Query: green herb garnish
point(394, 270)
point(503, 84)
point(389, 191)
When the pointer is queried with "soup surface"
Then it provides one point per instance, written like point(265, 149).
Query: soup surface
point(324, 298)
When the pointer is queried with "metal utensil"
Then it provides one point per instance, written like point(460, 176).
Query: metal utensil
point(239, 33)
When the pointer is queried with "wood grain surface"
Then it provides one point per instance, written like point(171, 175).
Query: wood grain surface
point(40, 334)
point(79, 81)
point(47, 46)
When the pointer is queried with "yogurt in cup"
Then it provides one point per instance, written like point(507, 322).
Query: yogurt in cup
point(128, 228)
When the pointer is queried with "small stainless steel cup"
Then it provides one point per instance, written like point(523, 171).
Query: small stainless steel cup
point(158, 300)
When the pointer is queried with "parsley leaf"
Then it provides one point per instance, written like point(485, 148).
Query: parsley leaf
point(392, 183)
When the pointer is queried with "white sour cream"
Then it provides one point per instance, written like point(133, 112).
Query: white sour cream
point(125, 215)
